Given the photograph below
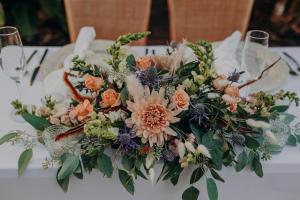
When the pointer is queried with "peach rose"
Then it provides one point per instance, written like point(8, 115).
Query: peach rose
point(82, 110)
point(220, 82)
point(181, 99)
point(93, 83)
point(232, 107)
point(143, 62)
point(110, 98)
point(232, 91)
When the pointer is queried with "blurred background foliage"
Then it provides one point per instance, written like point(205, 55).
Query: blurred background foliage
point(43, 22)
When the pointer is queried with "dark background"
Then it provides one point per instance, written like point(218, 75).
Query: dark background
point(42, 22)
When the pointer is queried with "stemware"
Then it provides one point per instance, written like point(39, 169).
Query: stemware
point(12, 58)
point(254, 53)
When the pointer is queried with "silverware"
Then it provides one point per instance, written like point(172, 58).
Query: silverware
point(146, 51)
point(37, 69)
point(29, 59)
point(292, 59)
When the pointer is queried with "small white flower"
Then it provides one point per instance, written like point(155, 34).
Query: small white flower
point(149, 160)
point(257, 124)
point(271, 137)
point(190, 147)
point(115, 116)
point(113, 130)
point(181, 149)
point(59, 110)
point(212, 95)
point(203, 150)
point(152, 175)
point(101, 116)
point(228, 99)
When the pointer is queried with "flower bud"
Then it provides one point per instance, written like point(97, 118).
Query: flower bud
point(203, 150)
point(190, 147)
point(181, 149)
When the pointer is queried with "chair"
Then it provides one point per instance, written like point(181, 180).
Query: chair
point(110, 18)
point(211, 20)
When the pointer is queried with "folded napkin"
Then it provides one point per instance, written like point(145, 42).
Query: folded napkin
point(53, 82)
point(225, 54)
point(85, 37)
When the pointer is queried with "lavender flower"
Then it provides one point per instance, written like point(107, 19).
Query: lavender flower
point(151, 77)
point(198, 113)
point(126, 139)
point(168, 156)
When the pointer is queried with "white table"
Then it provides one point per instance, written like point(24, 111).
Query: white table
point(281, 179)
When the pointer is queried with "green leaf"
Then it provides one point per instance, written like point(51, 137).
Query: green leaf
point(242, 161)
point(251, 143)
point(217, 158)
point(24, 159)
point(196, 175)
point(196, 131)
point(69, 166)
point(64, 183)
point(174, 179)
point(78, 172)
point(105, 164)
point(241, 110)
point(7, 137)
point(212, 189)
point(128, 162)
point(140, 173)
point(131, 62)
point(191, 193)
point(257, 167)
point(288, 118)
point(292, 140)
point(38, 123)
point(281, 108)
point(127, 181)
point(298, 138)
point(216, 175)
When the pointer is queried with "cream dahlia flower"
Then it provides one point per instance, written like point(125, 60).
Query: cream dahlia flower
point(151, 116)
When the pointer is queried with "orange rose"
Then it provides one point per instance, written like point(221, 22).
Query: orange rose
point(181, 99)
point(232, 91)
point(110, 98)
point(82, 110)
point(143, 62)
point(93, 83)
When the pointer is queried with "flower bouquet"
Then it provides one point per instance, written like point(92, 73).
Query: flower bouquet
point(157, 109)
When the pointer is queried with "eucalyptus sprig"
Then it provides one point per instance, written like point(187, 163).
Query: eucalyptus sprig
point(114, 49)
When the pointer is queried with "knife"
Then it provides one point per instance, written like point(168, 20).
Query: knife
point(292, 59)
point(37, 69)
point(29, 59)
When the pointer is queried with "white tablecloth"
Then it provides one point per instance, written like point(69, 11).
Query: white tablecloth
point(281, 179)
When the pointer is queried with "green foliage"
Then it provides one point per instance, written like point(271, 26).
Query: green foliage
point(196, 175)
point(242, 161)
point(105, 164)
point(127, 181)
point(212, 189)
point(8, 137)
point(191, 193)
point(114, 49)
point(24, 160)
point(292, 140)
point(38, 123)
point(63, 183)
point(216, 175)
point(69, 165)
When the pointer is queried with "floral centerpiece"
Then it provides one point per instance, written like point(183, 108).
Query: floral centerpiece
point(157, 109)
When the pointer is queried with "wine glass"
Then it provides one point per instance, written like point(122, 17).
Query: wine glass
point(254, 53)
point(12, 58)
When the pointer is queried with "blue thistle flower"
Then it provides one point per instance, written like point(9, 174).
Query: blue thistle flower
point(198, 113)
point(126, 139)
point(151, 77)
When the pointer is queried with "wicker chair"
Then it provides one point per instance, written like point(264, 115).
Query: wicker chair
point(210, 20)
point(110, 18)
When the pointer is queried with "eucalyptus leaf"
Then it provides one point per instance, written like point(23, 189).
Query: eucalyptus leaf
point(8, 137)
point(196, 175)
point(257, 167)
point(216, 175)
point(281, 108)
point(196, 131)
point(23, 162)
point(128, 162)
point(127, 181)
point(242, 161)
point(64, 183)
point(69, 166)
point(105, 164)
point(212, 189)
point(251, 143)
point(292, 140)
point(38, 123)
point(191, 193)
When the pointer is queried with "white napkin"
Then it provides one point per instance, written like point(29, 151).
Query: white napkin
point(225, 54)
point(53, 82)
point(85, 37)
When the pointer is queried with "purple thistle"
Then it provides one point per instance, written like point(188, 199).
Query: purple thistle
point(126, 139)
point(235, 76)
point(151, 77)
point(198, 113)
point(168, 156)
